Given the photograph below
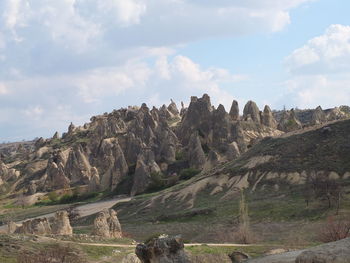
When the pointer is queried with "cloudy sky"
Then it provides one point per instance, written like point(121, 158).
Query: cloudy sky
point(66, 60)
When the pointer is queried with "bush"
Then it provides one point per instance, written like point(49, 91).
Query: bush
point(158, 182)
point(334, 229)
point(186, 174)
point(53, 196)
point(179, 156)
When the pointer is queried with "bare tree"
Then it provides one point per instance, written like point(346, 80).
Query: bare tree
point(334, 229)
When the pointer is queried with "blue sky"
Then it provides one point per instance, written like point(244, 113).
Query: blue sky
point(63, 61)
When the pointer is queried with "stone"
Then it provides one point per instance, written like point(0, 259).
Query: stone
point(196, 155)
point(56, 136)
point(172, 108)
point(94, 184)
point(107, 225)
point(112, 161)
point(289, 122)
point(237, 257)
point(101, 227)
point(234, 111)
point(61, 224)
point(37, 226)
point(318, 116)
point(335, 252)
point(131, 258)
point(268, 119)
point(252, 110)
point(145, 166)
point(162, 250)
point(115, 230)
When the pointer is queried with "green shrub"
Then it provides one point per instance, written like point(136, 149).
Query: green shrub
point(53, 196)
point(179, 156)
point(186, 174)
point(158, 182)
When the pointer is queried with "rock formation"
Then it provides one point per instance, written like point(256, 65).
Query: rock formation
point(162, 250)
point(123, 148)
point(107, 225)
point(173, 108)
point(234, 111)
point(251, 111)
point(318, 116)
point(268, 119)
point(334, 252)
point(61, 225)
point(145, 166)
point(289, 122)
point(196, 155)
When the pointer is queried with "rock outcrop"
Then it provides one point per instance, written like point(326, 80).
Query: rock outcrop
point(268, 119)
point(251, 111)
point(8, 174)
point(107, 225)
point(58, 225)
point(145, 167)
point(334, 252)
point(289, 122)
point(318, 116)
point(61, 225)
point(234, 111)
point(196, 155)
point(162, 250)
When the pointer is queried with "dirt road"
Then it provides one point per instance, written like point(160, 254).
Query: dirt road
point(84, 210)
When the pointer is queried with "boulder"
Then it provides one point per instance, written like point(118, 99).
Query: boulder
point(334, 252)
point(237, 257)
point(131, 258)
point(162, 250)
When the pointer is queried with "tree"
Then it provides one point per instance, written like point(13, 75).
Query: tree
point(334, 229)
point(244, 233)
point(329, 190)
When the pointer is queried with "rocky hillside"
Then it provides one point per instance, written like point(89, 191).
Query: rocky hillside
point(271, 165)
point(137, 149)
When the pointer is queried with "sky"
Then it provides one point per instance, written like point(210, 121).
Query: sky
point(65, 61)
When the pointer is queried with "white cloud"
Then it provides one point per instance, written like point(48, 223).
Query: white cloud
point(326, 53)
point(83, 57)
point(321, 70)
point(3, 89)
point(34, 112)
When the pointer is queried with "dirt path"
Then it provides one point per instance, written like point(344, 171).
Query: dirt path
point(84, 210)
point(134, 246)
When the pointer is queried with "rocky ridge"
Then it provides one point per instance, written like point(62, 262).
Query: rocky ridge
point(125, 150)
